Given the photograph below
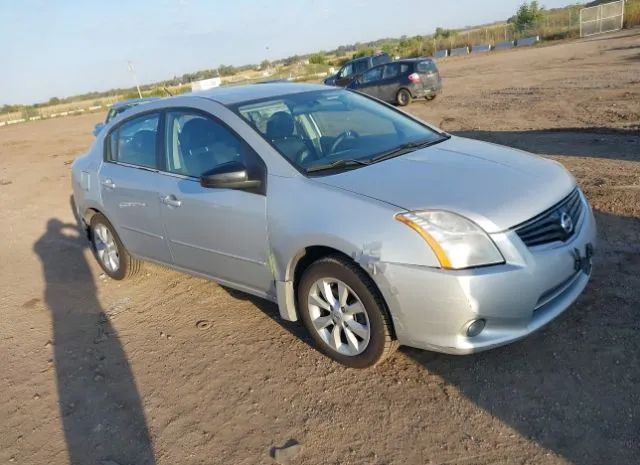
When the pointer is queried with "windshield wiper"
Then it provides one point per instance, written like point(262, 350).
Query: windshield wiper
point(338, 164)
point(405, 148)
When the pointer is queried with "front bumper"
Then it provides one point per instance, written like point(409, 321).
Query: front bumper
point(431, 308)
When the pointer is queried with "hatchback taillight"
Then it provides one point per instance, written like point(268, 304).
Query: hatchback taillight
point(414, 77)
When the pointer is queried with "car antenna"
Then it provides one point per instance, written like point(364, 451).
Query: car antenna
point(167, 91)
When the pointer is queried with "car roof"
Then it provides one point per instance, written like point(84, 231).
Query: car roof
point(232, 95)
point(409, 60)
point(367, 57)
point(134, 101)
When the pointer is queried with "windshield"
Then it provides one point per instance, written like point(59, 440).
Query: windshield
point(336, 129)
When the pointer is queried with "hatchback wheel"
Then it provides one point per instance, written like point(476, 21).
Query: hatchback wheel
point(109, 251)
point(403, 97)
point(344, 313)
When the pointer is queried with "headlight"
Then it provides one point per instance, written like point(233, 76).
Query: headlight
point(457, 242)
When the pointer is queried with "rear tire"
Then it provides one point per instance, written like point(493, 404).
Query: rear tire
point(403, 97)
point(109, 251)
point(355, 329)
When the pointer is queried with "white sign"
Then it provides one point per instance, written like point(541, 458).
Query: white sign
point(205, 84)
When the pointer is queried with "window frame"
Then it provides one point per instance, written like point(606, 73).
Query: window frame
point(161, 159)
point(106, 151)
point(253, 162)
point(235, 108)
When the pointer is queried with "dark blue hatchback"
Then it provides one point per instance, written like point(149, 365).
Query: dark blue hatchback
point(400, 81)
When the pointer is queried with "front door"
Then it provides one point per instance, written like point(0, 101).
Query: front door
point(369, 82)
point(128, 185)
point(221, 233)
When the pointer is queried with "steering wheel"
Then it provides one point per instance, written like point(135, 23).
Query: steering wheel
point(348, 134)
point(302, 154)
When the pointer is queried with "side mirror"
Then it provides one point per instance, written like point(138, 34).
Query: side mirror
point(231, 175)
point(97, 129)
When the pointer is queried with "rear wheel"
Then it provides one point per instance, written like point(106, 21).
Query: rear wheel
point(403, 97)
point(344, 313)
point(107, 247)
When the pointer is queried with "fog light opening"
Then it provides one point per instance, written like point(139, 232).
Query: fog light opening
point(475, 327)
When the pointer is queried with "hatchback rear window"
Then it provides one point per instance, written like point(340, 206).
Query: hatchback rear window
point(426, 67)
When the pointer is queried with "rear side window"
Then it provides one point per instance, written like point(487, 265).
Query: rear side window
point(391, 71)
point(374, 74)
point(134, 142)
point(427, 67)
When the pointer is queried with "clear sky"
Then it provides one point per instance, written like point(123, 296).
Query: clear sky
point(66, 47)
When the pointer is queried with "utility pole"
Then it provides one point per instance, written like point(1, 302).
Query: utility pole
point(132, 70)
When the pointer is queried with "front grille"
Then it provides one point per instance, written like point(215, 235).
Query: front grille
point(548, 226)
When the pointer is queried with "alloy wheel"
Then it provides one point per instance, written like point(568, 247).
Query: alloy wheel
point(338, 316)
point(106, 247)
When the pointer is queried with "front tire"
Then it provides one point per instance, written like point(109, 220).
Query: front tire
point(344, 313)
point(403, 97)
point(109, 251)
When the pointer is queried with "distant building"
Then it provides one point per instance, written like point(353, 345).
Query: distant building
point(206, 84)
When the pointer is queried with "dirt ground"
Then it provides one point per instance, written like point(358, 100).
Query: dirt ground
point(170, 369)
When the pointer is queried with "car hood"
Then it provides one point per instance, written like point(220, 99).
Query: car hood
point(495, 186)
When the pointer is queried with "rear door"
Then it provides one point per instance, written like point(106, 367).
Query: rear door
point(129, 186)
point(221, 233)
point(390, 82)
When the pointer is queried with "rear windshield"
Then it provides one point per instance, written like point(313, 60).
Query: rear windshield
point(426, 66)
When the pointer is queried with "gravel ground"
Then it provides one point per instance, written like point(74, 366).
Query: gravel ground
point(170, 369)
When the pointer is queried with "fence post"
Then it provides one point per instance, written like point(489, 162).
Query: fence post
point(580, 19)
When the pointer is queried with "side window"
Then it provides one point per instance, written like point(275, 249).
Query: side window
point(112, 114)
point(404, 68)
point(374, 74)
point(360, 66)
point(380, 59)
point(346, 71)
point(134, 142)
point(391, 71)
point(197, 144)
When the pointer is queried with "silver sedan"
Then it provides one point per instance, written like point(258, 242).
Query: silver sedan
point(372, 227)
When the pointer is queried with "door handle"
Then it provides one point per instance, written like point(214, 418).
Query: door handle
point(170, 200)
point(108, 183)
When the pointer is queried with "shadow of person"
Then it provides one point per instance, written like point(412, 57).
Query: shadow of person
point(101, 410)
